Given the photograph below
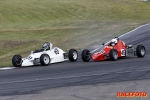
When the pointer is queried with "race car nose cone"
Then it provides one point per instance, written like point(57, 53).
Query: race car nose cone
point(94, 56)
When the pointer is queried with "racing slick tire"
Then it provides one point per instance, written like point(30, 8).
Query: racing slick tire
point(17, 60)
point(140, 51)
point(44, 59)
point(86, 55)
point(113, 54)
point(73, 55)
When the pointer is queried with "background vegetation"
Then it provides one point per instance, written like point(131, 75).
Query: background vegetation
point(26, 24)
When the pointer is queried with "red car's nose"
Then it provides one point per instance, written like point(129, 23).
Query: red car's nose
point(96, 55)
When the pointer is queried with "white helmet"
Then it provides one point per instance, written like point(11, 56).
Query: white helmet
point(113, 42)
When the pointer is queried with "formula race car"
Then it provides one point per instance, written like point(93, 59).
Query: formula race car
point(45, 56)
point(113, 50)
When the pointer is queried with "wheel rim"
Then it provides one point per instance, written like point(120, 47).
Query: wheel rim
point(87, 56)
point(142, 51)
point(18, 60)
point(75, 55)
point(46, 59)
point(115, 55)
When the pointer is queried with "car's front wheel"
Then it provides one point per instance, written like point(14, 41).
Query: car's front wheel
point(17, 60)
point(44, 59)
point(86, 55)
point(113, 54)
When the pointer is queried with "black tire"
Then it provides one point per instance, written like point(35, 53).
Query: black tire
point(86, 55)
point(45, 59)
point(73, 55)
point(17, 60)
point(140, 51)
point(113, 54)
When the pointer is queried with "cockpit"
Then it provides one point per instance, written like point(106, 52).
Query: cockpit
point(45, 46)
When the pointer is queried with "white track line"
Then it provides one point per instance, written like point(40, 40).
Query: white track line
point(95, 49)
point(121, 36)
point(6, 68)
point(134, 29)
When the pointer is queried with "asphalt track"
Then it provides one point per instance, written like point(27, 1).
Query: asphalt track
point(30, 80)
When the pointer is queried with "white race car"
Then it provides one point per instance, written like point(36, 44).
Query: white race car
point(45, 56)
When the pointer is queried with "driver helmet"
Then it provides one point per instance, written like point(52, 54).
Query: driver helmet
point(45, 47)
point(113, 42)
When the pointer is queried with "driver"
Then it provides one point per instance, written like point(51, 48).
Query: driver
point(113, 42)
point(45, 47)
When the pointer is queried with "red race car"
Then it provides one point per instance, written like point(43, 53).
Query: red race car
point(113, 50)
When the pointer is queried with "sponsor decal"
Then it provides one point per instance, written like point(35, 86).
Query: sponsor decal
point(56, 51)
point(131, 94)
point(123, 52)
point(102, 51)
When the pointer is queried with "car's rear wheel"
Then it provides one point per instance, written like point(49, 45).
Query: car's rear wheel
point(44, 59)
point(17, 60)
point(113, 54)
point(86, 55)
point(73, 55)
point(140, 51)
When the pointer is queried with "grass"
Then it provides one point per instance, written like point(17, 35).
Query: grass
point(26, 24)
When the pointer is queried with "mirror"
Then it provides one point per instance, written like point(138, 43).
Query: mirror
point(32, 52)
point(129, 46)
point(103, 43)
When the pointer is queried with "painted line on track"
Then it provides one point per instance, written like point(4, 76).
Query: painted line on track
point(122, 36)
point(6, 68)
point(134, 30)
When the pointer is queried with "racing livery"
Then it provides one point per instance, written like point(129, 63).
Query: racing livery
point(113, 50)
point(45, 56)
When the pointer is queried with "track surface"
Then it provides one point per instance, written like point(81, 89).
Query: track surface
point(34, 79)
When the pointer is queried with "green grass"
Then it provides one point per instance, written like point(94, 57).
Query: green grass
point(26, 24)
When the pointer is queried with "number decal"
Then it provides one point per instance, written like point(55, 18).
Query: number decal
point(56, 51)
point(123, 52)
point(102, 51)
